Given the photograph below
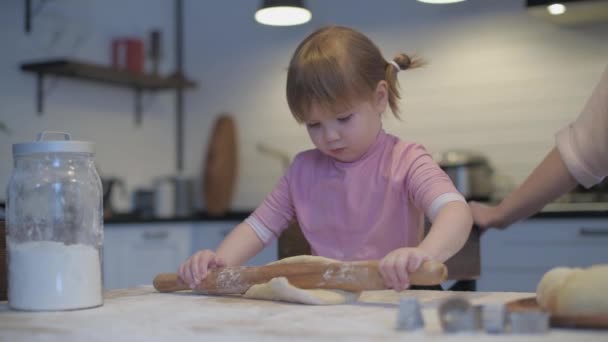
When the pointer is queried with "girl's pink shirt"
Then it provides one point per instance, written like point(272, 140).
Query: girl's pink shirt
point(357, 210)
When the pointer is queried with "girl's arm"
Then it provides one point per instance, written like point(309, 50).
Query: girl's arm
point(449, 232)
point(243, 242)
point(240, 245)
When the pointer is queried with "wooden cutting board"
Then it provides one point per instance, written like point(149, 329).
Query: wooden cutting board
point(220, 169)
point(561, 321)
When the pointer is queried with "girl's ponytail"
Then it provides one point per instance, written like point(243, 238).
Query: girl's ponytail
point(398, 63)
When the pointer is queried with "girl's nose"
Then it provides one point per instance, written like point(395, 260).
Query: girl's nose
point(331, 134)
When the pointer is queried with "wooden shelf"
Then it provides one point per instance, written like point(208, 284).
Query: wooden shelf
point(104, 74)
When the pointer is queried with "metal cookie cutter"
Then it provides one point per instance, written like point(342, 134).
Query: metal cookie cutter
point(494, 317)
point(529, 322)
point(456, 314)
point(409, 315)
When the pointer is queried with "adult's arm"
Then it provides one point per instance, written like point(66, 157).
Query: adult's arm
point(547, 182)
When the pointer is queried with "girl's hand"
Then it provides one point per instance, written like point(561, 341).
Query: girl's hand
point(195, 269)
point(485, 216)
point(396, 266)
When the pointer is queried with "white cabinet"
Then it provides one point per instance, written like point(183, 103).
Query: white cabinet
point(209, 234)
point(134, 254)
point(515, 259)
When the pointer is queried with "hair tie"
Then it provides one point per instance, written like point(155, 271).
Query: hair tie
point(393, 63)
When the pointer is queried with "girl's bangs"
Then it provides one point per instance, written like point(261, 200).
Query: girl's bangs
point(324, 85)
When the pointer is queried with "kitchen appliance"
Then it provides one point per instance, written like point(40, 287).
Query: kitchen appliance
point(173, 196)
point(54, 218)
point(470, 172)
point(110, 187)
point(143, 203)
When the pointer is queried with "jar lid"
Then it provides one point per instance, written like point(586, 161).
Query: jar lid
point(44, 146)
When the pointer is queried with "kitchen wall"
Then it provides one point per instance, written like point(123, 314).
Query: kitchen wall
point(89, 111)
point(499, 81)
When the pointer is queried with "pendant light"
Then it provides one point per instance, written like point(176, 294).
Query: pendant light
point(283, 13)
point(556, 9)
point(440, 1)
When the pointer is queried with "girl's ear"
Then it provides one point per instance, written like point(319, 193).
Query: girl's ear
point(381, 96)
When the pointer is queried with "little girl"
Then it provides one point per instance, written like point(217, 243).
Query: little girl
point(362, 193)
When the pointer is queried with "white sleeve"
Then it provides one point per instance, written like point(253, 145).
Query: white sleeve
point(442, 200)
point(583, 144)
point(261, 231)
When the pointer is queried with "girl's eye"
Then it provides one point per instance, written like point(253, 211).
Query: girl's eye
point(312, 125)
point(345, 119)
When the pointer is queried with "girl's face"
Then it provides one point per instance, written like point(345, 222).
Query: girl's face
point(347, 135)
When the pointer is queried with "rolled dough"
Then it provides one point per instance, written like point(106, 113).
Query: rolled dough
point(574, 291)
point(279, 289)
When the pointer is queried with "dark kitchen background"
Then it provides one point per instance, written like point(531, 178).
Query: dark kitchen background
point(500, 81)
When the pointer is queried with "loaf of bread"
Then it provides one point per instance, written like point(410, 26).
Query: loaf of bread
point(574, 291)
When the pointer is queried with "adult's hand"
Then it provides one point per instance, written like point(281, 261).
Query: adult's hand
point(486, 216)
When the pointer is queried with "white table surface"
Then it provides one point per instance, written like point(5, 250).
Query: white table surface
point(141, 314)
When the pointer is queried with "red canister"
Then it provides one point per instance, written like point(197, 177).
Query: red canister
point(128, 54)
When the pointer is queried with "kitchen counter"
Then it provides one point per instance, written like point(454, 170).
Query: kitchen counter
point(552, 210)
point(573, 210)
point(121, 218)
point(141, 314)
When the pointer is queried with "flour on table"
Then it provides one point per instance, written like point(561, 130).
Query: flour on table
point(279, 289)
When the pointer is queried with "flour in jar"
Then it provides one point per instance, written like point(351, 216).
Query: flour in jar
point(49, 275)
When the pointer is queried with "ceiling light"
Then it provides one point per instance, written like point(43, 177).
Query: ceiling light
point(556, 9)
point(440, 1)
point(282, 13)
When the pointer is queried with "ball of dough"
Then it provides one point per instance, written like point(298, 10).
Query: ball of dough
point(549, 283)
point(574, 291)
point(583, 293)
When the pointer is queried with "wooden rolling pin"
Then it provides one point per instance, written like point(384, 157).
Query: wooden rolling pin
point(349, 276)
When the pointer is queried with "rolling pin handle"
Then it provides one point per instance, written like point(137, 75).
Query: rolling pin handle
point(169, 282)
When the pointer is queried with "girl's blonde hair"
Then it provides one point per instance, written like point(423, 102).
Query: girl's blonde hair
point(335, 65)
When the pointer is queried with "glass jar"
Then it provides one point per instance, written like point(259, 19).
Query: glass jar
point(54, 226)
